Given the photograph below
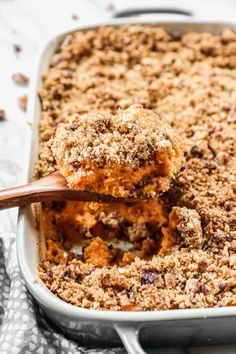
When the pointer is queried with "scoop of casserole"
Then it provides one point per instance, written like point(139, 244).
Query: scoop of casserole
point(130, 154)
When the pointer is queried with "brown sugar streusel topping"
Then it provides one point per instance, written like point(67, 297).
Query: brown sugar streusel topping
point(130, 137)
point(190, 82)
point(181, 280)
point(133, 148)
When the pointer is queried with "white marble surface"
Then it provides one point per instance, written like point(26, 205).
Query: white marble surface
point(28, 23)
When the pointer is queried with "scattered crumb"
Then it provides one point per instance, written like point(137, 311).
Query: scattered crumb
point(2, 115)
point(17, 48)
point(110, 7)
point(74, 17)
point(22, 103)
point(20, 79)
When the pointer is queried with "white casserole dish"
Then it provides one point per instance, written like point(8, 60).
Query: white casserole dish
point(159, 328)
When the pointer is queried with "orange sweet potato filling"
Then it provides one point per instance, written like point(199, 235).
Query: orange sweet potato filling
point(123, 181)
point(98, 253)
point(92, 225)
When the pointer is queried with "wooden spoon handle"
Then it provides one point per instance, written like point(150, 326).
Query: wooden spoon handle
point(52, 187)
point(23, 195)
point(37, 191)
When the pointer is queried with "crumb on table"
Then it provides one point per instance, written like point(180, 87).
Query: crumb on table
point(22, 102)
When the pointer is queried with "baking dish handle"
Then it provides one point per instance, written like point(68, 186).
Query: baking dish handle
point(156, 11)
point(129, 336)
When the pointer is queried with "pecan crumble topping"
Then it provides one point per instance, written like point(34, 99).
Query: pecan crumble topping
point(189, 80)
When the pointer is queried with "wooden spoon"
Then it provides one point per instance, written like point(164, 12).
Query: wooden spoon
point(52, 187)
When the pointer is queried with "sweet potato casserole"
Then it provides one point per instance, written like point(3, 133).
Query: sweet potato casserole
point(174, 251)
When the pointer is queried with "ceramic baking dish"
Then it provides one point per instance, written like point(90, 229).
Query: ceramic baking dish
point(154, 329)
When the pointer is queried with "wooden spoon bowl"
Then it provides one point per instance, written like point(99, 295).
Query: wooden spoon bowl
point(51, 187)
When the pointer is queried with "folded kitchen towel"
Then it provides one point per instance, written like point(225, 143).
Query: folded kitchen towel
point(23, 327)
